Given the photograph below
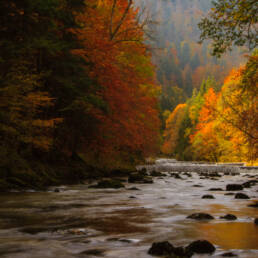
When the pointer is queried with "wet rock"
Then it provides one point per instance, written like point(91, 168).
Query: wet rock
point(229, 254)
point(241, 196)
point(229, 217)
point(125, 240)
point(135, 178)
point(156, 173)
point(56, 190)
point(147, 180)
point(132, 197)
point(139, 178)
point(95, 252)
point(200, 216)
point(256, 221)
point(133, 189)
point(200, 247)
point(176, 175)
point(250, 183)
point(208, 196)
point(215, 189)
point(234, 187)
point(197, 186)
point(229, 194)
point(108, 184)
point(161, 248)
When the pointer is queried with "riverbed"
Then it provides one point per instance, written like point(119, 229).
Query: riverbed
point(79, 221)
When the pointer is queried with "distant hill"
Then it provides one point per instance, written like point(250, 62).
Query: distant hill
point(182, 63)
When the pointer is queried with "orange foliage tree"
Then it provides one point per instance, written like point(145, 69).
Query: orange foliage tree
point(113, 37)
point(172, 128)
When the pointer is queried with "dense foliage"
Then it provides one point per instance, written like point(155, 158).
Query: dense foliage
point(76, 87)
point(231, 22)
point(222, 126)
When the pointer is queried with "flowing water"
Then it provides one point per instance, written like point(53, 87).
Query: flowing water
point(82, 222)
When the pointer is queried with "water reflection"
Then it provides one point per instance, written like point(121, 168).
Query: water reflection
point(231, 235)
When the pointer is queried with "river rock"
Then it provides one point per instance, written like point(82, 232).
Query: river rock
point(215, 189)
point(241, 196)
point(249, 183)
point(156, 173)
point(133, 189)
point(254, 205)
point(200, 247)
point(165, 248)
point(229, 194)
point(161, 248)
point(208, 196)
point(147, 180)
point(135, 178)
point(256, 221)
point(200, 216)
point(229, 217)
point(234, 187)
point(229, 254)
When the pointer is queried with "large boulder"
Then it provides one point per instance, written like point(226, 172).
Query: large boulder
point(234, 187)
point(241, 196)
point(200, 216)
point(168, 250)
point(200, 247)
point(161, 248)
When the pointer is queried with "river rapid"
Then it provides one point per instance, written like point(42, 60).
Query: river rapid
point(83, 222)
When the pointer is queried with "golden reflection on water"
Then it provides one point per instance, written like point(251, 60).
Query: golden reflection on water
point(231, 235)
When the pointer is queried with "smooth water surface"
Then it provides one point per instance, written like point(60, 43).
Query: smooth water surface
point(83, 222)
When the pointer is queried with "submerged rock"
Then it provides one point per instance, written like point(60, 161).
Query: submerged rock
point(200, 247)
point(229, 217)
point(133, 189)
point(208, 196)
point(200, 216)
point(234, 187)
point(256, 221)
point(241, 196)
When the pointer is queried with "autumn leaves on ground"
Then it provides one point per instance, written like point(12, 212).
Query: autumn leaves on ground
point(79, 97)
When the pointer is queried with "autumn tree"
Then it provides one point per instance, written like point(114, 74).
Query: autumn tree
point(231, 22)
point(173, 124)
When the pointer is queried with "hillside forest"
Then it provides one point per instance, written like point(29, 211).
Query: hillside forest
point(89, 88)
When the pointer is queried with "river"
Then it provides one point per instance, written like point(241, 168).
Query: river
point(82, 222)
